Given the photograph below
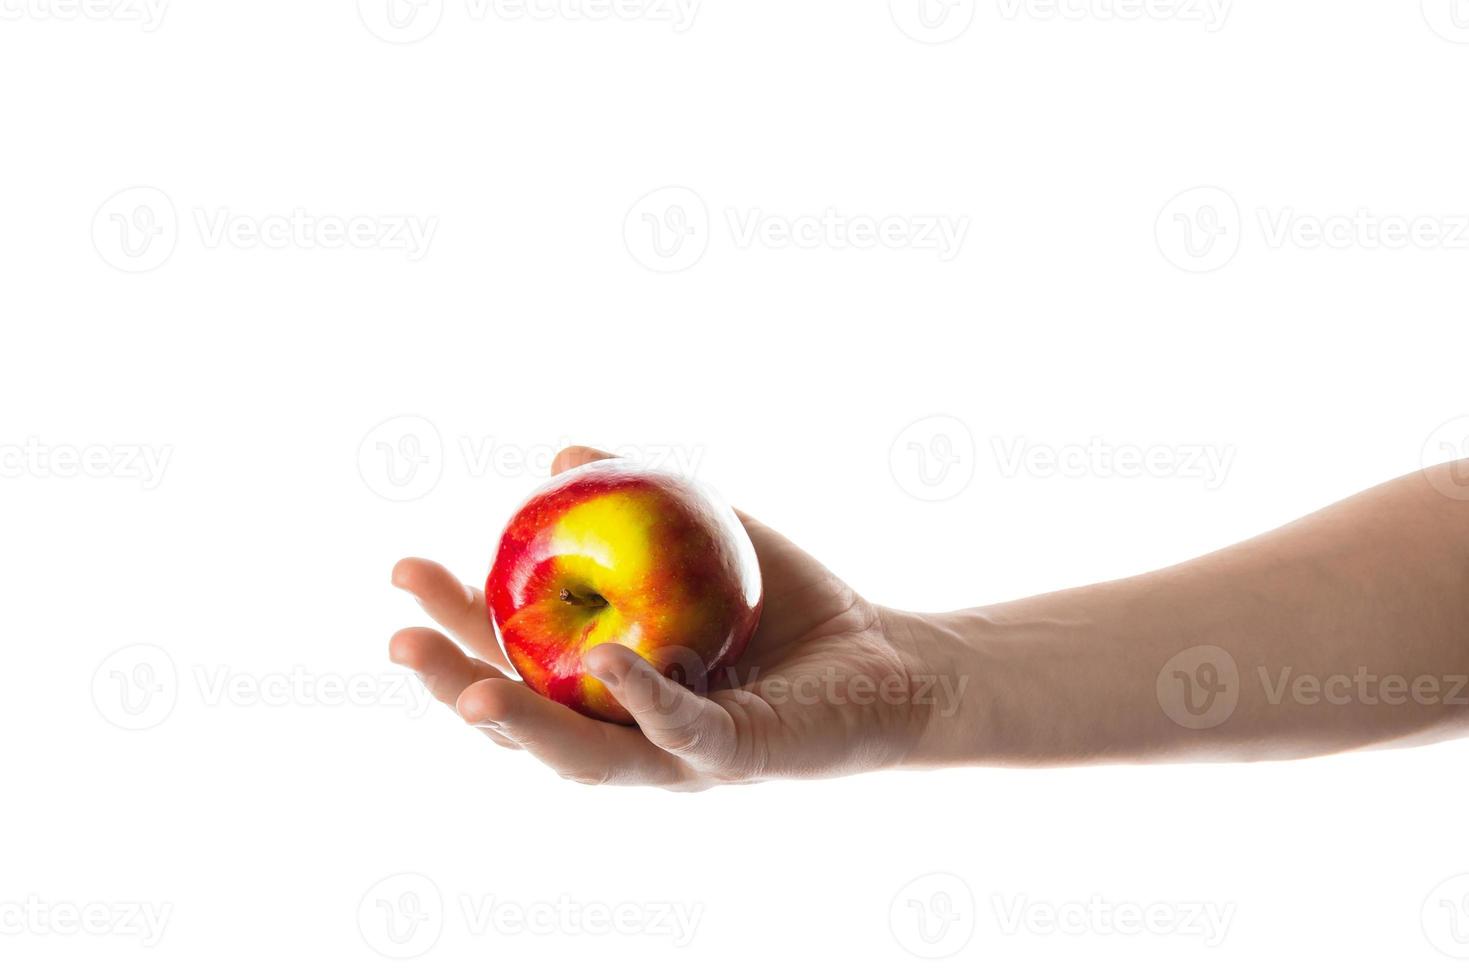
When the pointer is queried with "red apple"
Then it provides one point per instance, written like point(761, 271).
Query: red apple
point(613, 553)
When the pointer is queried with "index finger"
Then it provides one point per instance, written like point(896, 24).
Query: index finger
point(455, 606)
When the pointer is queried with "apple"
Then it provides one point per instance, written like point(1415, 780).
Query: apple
point(611, 552)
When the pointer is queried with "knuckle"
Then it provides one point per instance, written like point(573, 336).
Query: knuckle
point(681, 739)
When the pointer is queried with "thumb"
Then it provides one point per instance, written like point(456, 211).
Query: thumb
point(694, 728)
point(573, 456)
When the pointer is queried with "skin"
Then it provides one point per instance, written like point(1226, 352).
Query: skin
point(1319, 620)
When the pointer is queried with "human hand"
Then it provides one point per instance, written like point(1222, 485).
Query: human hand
point(822, 689)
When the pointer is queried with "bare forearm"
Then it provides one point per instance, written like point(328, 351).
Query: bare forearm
point(1345, 629)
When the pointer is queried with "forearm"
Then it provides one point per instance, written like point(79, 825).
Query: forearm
point(1345, 629)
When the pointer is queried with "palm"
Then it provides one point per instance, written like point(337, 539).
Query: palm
point(819, 691)
point(814, 675)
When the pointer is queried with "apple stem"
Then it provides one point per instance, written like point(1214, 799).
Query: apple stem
point(593, 601)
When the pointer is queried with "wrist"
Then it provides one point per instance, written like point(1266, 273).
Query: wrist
point(950, 688)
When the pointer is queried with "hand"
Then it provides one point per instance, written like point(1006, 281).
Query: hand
point(822, 689)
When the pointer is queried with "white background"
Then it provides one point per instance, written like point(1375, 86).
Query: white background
point(261, 818)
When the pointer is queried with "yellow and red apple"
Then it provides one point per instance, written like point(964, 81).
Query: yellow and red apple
point(613, 553)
